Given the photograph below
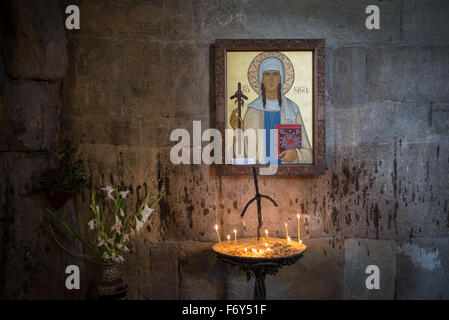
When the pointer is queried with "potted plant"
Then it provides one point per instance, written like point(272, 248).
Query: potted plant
point(60, 183)
point(112, 232)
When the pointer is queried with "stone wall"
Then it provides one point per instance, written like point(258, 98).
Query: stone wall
point(139, 69)
point(34, 58)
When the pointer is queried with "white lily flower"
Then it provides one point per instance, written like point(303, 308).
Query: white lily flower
point(91, 224)
point(105, 256)
point(117, 225)
point(139, 225)
point(123, 194)
point(126, 237)
point(146, 212)
point(109, 191)
point(121, 212)
point(100, 242)
point(119, 246)
point(119, 259)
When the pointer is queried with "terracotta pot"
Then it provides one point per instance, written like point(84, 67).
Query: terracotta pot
point(58, 198)
point(111, 286)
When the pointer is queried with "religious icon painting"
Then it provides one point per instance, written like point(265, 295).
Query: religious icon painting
point(270, 105)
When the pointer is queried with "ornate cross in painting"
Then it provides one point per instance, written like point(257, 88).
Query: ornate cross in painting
point(270, 105)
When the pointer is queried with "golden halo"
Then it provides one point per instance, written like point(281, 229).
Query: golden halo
point(253, 70)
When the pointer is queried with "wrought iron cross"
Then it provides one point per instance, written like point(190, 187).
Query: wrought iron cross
point(239, 96)
point(257, 197)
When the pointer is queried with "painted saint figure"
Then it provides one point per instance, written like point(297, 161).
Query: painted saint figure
point(272, 108)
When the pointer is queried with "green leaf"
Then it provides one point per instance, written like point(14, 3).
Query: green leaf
point(73, 232)
point(52, 232)
point(156, 201)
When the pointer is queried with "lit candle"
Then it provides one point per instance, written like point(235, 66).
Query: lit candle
point(286, 232)
point(218, 235)
point(229, 239)
point(266, 235)
point(235, 237)
point(299, 233)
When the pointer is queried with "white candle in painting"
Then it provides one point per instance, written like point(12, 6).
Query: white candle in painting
point(218, 235)
point(229, 238)
point(286, 232)
point(235, 237)
point(266, 235)
point(299, 233)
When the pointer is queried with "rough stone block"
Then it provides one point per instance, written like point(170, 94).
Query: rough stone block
point(361, 253)
point(377, 123)
point(34, 41)
point(318, 275)
point(423, 22)
point(440, 118)
point(419, 190)
point(107, 130)
point(35, 268)
point(423, 269)
point(24, 171)
point(364, 178)
point(164, 270)
point(408, 74)
point(203, 276)
point(31, 112)
point(337, 22)
point(120, 19)
point(412, 121)
point(181, 20)
point(94, 83)
point(137, 272)
point(346, 77)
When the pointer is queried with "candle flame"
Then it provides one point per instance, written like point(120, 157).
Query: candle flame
point(254, 250)
point(266, 231)
point(229, 237)
point(266, 244)
point(297, 215)
point(246, 250)
point(216, 227)
point(235, 231)
point(286, 224)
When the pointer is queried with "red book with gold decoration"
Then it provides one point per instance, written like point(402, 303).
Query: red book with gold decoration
point(288, 136)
